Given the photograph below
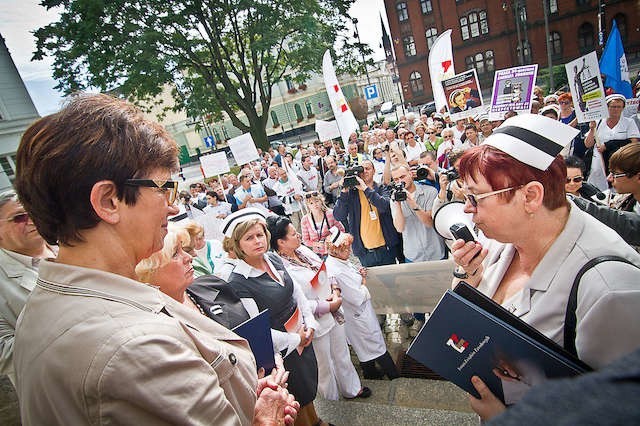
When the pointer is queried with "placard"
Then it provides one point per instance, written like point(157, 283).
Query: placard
point(512, 90)
point(327, 130)
point(463, 94)
point(586, 87)
point(243, 149)
point(214, 164)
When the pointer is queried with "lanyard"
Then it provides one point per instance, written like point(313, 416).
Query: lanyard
point(319, 231)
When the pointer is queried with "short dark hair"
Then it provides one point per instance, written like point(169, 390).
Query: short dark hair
point(575, 163)
point(470, 126)
point(277, 227)
point(63, 155)
point(626, 159)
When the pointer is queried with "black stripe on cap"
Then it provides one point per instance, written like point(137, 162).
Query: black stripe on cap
point(240, 215)
point(336, 237)
point(534, 139)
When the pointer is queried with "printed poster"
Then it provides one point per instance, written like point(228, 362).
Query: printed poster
point(243, 149)
point(512, 90)
point(587, 90)
point(463, 94)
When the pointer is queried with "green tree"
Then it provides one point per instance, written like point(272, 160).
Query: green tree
point(219, 56)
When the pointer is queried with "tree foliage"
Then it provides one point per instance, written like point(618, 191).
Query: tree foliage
point(220, 56)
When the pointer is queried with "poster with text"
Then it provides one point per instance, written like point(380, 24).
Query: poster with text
point(631, 107)
point(214, 164)
point(587, 90)
point(243, 149)
point(512, 90)
point(327, 130)
point(463, 94)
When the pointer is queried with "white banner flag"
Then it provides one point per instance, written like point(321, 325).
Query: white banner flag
point(441, 67)
point(347, 123)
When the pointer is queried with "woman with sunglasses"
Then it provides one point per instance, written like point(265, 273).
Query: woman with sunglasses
point(316, 224)
point(575, 175)
point(535, 242)
point(92, 338)
point(21, 250)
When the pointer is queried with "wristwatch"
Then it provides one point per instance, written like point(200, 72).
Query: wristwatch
point(417, 209)
point(460, 275)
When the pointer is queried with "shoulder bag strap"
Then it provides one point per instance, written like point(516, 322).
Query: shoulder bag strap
point(570, 321)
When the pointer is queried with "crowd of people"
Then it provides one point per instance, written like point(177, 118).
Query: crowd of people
point(152, 279)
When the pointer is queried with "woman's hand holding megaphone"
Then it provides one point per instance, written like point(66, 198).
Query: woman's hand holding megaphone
point(469, 257)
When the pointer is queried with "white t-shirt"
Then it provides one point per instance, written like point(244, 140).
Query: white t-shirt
point(625, 129)
point(413, 153)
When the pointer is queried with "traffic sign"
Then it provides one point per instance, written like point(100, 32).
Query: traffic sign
point(210, 142)
point(371, 92)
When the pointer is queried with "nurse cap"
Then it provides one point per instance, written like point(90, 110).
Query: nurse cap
point(616, 96)
point(336, 236)
point(532, 139)
point(230, 222)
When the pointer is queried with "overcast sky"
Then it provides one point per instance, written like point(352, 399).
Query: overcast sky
point(18, 19)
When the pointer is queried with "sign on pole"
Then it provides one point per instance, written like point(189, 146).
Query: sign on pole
point(214, 164)
point(463, 94)
point(512, 90)
point(210, 141)
point(371, 92)
point(327, 130)
point(587, 91)
point(243, 149)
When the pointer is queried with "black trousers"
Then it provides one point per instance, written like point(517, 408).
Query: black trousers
point(369, 370)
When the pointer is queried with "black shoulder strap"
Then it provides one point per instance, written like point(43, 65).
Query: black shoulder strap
point(570, 321)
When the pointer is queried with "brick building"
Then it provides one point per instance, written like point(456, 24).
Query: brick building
point(497, 34)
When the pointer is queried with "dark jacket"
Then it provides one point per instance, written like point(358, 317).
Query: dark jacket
point(348, 207)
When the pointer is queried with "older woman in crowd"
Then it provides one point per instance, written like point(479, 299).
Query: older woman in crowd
point(537, 242)
point(336, 374)
point(208, 255)
point(95, 345)
point(610, 134)
point(317, 223)
point(262, 282)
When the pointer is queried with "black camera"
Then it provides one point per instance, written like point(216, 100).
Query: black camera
point(350, 174)
point(386, 147)
point(422, 173)
point(397, 191)
point(452, 174)
point(588, 191)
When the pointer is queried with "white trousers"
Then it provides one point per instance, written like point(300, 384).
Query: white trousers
point(336, 374)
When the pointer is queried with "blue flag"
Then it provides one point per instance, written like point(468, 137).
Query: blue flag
point(613, 64)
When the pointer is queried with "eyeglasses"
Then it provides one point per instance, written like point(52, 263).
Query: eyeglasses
point(431, 133)
point(564, 102)
point(617, 175)
point(448, 137)
point(575, 179)
point(310, 194)
point(170, 187)
point(19, 218)
point(474, 198)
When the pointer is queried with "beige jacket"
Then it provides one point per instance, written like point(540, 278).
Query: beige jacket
point(97, 348)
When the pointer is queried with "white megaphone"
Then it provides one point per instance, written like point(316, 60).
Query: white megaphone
point(452, 215)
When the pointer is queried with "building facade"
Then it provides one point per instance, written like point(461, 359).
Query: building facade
point(497, 34)
point(17, 112)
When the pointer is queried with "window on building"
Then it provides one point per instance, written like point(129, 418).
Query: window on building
point(6, 166)
point(553, 6)
point(216, 134)
point(415, 83)
point(426, 6)
point(556, 44)
point(409, 46)
point(621, 21)
point(523, 52)
point(309, 108)
point(585, 38)
point(583, 2)
point(298, 111)
point(274, 119)
point(432, 35)
point(401, 10)
point(225, 133)
point(289, 83)
point(474, 25)
point(482, 62)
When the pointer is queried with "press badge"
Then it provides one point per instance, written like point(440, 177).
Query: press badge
point(372, 215)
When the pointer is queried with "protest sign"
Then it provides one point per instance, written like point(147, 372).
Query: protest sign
point(631, 107)
point(587, 91)
point(327, 130)
point(214, 164)
point(463, 94)
point(512, 90)
point(243, 149)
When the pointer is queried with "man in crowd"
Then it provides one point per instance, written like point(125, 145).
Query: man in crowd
point(353, 157)
point(198, 198)
point(367, 212)
point(273, 201)
point(291, 198)
point(279, 158)
point(248, 195)
point(332, 179)
point(21, 249)
point(471, 134)
point(309, 175)
point(412, 148)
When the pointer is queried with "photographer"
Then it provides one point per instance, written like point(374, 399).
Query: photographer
point(450, 183)
point(366, 206)
point(411, 206)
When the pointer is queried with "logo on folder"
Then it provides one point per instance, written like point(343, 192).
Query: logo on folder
point(458, 344)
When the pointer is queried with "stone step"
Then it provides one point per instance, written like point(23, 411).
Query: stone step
point(402, 401)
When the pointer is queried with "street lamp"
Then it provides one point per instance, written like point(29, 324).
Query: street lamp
point(356, 34)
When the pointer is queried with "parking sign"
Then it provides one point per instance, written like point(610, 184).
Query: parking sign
point(371, 92)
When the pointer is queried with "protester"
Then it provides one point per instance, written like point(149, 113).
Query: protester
point(21, 250)
point(575, 175)
point(317, 223)
point(216, 206)
point(208, 255)
point(262, 282)
point(309, 175)
point(290, 196)
point(625, 177)
point(361, 324)
point(412, 148)
point(451, 182)
point(332, 180)
point(250, 194)
point(131, 346)
point(336, 374)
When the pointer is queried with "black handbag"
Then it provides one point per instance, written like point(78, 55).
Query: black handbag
point(218, 300)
